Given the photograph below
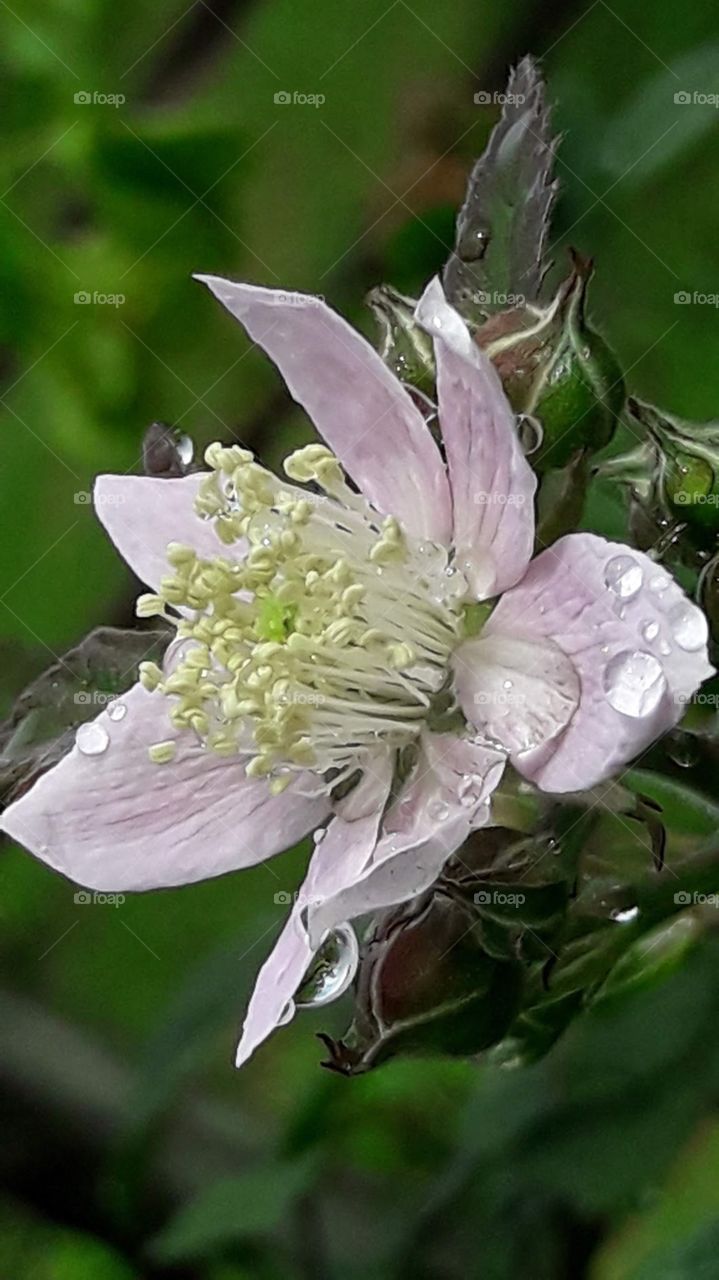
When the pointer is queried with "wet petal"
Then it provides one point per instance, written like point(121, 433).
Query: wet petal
point(446, 797)
point(143, 514)
point(491, 481)
point(517, 691)
point(339, 857)
point(638, 645)
point(116, 821)
point(358, 406)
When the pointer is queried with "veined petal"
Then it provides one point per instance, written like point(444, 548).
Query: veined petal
point(491, 481)
point(143, 514)
point(446, 798)
point(518, 691)
point(358, 406)
point(638, 645)
point(346, 846)
point(117, 821)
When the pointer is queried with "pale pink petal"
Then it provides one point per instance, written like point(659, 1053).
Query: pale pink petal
point(339, 858)
point(518, 691)
point(271, 1002)
point(358, 406)
point(143, 514)
point(115, 821)
point(638, 645)
point(446, 797)
point(491, 481)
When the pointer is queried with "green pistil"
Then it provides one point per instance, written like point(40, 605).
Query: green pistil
point(275, 620)
point(475, 616)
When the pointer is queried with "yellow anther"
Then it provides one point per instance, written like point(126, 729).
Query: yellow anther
point(162, 752)
point(179, 555)
point(149, 606)
point(258, 767)
point(150, 675)
point(401, 655)
point(351, 596)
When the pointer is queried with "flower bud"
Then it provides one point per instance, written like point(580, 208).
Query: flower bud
point(426, 984)
point(681, 461)
point(558, 371)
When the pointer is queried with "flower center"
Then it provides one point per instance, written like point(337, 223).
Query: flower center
point(327, 634)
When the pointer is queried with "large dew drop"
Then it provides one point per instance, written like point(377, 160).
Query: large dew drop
point(91, 739)
point(332, 969)
point(265, 525)
point(689, 627)
point(634, 683)
point(623, 576)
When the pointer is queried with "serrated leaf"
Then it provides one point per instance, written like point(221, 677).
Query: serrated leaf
point(40, 728)
point(503, 225)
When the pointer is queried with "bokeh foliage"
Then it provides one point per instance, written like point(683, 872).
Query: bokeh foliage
point(132, 1149)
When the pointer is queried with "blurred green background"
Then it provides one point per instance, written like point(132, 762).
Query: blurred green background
point(130, 1147)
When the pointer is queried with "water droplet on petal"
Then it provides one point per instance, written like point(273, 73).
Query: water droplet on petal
point(650, 630)
point(623, 576)
point(332, 969)
point(117, 711)
point(265, 525)
point(689, 626)
point(439, 810)
point(319, 835)
point(91, 739)
point(659, 582)
point(624, 915)
point(634, 683)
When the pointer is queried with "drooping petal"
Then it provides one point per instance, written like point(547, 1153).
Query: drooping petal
point(491, 481)
point(143, 514)
point(446, 797)
point(517, 691)
point(358, 406)
point(338, 859)
point(638, 645)
point(116, 821)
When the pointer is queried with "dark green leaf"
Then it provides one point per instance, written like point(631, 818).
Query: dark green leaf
point(503, 224)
